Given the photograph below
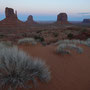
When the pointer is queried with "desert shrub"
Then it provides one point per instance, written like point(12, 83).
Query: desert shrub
point(55, 34)
point(88, 39)
point(2, 35)
point(27, 40)
point(17, 69)
point(88, 42)
point(70, 35)
point(7, 43)
point(39, 38)
point(63, 41)
point(73, 41)
point(24, 34)
point(44, 43)
point(60, 49)
point(2, 46)
point(66, 41)
point(83, 30)
point(65, 48)
point(64, 45)
point(39, 31)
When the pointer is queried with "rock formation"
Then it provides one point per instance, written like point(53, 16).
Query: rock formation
point(30, 20)
point(9, 12)
point(86, 21)
point(62, 18)
point(11, 18)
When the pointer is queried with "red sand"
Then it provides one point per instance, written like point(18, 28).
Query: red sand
point(68, 72)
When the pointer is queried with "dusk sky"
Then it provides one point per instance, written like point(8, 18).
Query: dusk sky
point(47, 10)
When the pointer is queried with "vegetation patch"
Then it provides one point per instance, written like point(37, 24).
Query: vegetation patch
point(70, 36)
point(27, 40)
point(38, 38)
point(65, 48)
point(55, 34)
point(17, 69)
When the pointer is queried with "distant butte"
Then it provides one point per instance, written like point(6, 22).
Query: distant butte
point(62, 18)
point(9, 13)
point(30, 20)
point(11, 18)
point(86, 21)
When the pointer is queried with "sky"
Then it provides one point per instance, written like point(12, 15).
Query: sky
point(47, 10)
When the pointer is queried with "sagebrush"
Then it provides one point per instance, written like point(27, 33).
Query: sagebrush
point(17, 69)
point(65, 48)
point(4, 44)
point(27, 40)
point(74, 41)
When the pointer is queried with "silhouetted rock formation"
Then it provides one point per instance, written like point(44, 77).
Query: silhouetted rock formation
point(11, 18)
point(62, 18)
point(86, 21)
point(9, 12)
point(30, 20)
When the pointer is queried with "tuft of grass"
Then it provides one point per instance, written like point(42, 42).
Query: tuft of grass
point(65, 48)
point(64, 45)
point(70, 36)
point(87, 42)
point(6, 43)
point(66, 41)
point(39, 38)
point(88, 39)
point(17, 69)
point(27, 40)
point(55, 34)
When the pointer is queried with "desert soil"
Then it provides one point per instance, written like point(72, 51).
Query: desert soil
point(68, 72)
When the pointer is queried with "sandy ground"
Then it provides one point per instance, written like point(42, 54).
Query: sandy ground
point(68, 72)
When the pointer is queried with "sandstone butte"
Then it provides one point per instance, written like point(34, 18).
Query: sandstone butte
point(62, 18)
point(30, 20)
point(11, 18)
